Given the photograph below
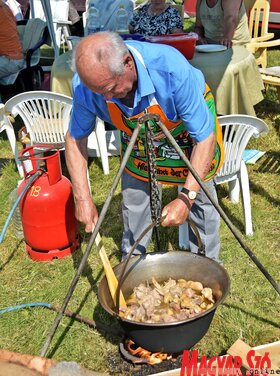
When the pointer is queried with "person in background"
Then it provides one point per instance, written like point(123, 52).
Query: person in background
point(119, 81)
point(15, 8)
point(73, 14)
point(156, 18)
point(11, 54)
point(76, 26)
point(222, 21)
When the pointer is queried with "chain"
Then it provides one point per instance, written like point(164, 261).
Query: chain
point(155, 200)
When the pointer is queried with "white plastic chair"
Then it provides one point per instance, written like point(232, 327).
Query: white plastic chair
point(237, 131)
point(9, 129)
point(46, 116)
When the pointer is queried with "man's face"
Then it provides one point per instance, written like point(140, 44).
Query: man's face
point(112, 86)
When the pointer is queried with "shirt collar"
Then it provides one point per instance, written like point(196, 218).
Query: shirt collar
point(145, 85)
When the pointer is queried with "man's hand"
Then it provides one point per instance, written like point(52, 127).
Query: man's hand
point(86, 213)
point(226, 42)
point(176, 212)
point(201, 40)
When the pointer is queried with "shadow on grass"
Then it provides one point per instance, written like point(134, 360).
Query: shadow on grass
point(270, 163)
point(259, 190)
point(257, 317)
point(267, 108)
point(11, 256)
point(104, 329)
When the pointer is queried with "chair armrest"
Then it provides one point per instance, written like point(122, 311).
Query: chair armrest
point(41, 41)
point(64, 22)
point(262, 38)
point(270, 43)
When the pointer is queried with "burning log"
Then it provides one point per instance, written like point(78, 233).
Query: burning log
point(139, 355)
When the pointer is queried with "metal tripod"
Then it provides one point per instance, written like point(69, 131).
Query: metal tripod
point(142, 120)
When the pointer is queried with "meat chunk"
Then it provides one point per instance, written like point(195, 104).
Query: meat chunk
point(167, 302)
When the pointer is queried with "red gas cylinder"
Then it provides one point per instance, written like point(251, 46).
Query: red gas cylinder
point(47, 208)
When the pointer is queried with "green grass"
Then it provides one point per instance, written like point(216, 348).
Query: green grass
point(250, 312)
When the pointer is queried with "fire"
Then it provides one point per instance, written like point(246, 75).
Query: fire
point(150, 358)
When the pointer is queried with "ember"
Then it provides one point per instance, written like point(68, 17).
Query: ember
point(138, 355)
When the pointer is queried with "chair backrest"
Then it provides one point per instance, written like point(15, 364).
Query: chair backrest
point(45, 114)
point(29, 34)
point(258, 27)
point(237, 131)
point(258, 18)
point(32, 35)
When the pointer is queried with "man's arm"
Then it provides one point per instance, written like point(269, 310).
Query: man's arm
point(76, 160)
point(177, 211)
point(198, 28)
point(231, 11)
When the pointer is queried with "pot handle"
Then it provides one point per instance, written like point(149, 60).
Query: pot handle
point(122, 273)
point(201, 246)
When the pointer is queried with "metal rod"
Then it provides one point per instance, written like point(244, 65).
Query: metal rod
point(89, 322)
point(91, 241)
point(121, 277)
point(219, 209)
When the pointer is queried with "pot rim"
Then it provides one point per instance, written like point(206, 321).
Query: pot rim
point(175, 323)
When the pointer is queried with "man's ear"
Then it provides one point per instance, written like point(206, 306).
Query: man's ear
point(128, 61)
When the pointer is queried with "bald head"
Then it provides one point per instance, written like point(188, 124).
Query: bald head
point(98, 52)
point(105, 65)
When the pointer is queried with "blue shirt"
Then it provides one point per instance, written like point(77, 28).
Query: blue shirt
point(177, 86)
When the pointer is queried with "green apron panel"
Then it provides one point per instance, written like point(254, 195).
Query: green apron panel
point(171, 169)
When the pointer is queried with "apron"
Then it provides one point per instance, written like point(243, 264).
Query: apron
point(171, 169)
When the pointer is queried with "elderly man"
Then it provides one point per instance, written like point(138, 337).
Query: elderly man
point(11, 54)
point(117, 81)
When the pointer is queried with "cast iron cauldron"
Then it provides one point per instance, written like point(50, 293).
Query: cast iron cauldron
point(171, 337)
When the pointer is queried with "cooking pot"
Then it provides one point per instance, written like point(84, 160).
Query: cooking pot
point(176, 336)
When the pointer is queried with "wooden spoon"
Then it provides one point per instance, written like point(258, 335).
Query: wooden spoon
point(110, 275)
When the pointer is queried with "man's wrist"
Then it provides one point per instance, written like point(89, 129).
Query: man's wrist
point(189, 193)
point(84, 198)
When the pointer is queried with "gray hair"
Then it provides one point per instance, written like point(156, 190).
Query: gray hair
point(110, 54)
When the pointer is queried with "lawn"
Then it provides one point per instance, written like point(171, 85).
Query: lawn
point(250, 311)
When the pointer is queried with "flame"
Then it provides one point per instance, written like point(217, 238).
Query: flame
point(152, 358)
